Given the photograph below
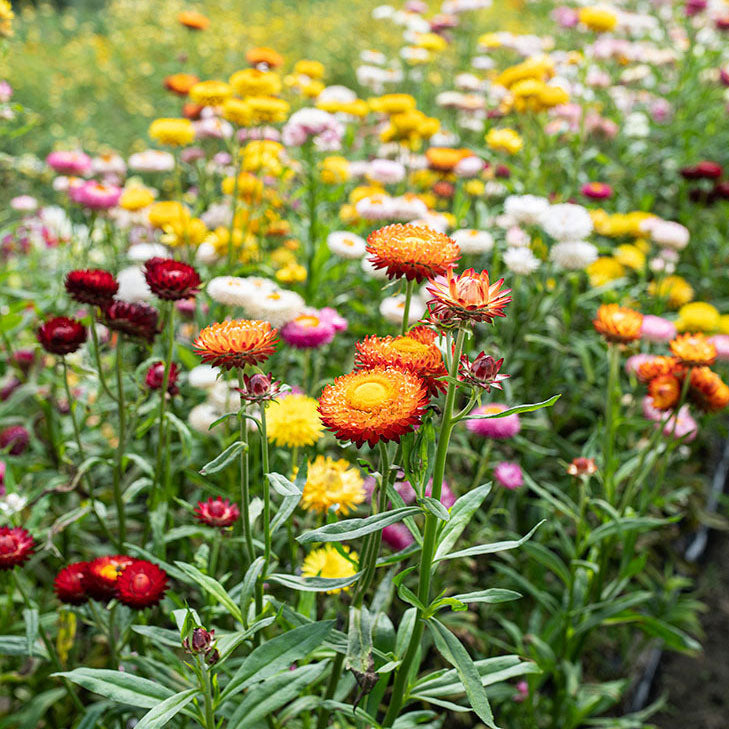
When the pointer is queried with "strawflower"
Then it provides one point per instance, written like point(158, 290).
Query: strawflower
point(218, 512)
point(618, 323)
point(61, 335)
point(293, 421)
point(70, 584)
point(332, 484)
point(329, 562)
point(501, 428)
point(141, 585)
point(16, 546)
point(236, 343)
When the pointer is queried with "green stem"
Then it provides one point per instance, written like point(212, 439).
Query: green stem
point(97, 358)
point(207, 691)
point(119, 464)
point(245, 496)
point(409, 287)
point(50, 648)
point(399, 688)
point(610, 424)
point(334, 676)
point(266, 513)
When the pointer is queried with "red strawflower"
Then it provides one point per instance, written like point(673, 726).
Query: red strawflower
point(61, 335)
point(92, 286)
point(135, 319)
point(156, 376)
point(483, 372)
point(16, 546)
point(141, 585)
point(703, 170)
point(70, 583)
point(217, 512)
point(16, 437)
point(103, 573)
point(170, 279)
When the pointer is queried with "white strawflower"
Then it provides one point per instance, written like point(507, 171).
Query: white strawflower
point(473, 241)
point(517, 238)
point(222, 396)
point(206, 253)
point(573, 255)
point(217, 215)
point(12, 504)
point(237, 291)
point(668, 234)
point(521, 261)
point(202, 416)
point(152, 160)
point(494, 188)
point(132, 285)
point(276, 307)
point(386, 171)
point(203, 376)
point(141, 252)
point(346, 245)
point(566, 222)
point(525, 208)
point(392, 309)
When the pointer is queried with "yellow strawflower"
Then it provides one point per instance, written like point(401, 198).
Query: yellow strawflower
point(598, 19)
point(237, 111)
point(172, 132)
point(6, 19)
point(675, 289)
point(504, 140)
point(334, 170)
point(698, 316)
point(136, 197)
point(329, 562)
point(252, 82)
point(167, 212)
point(604, 270)
point(630, 256)
point(294, 421)
point(268, 109)
point(210, 93)
point(332, 484)
point(312, 69)
point(392, 103)
point(291, 273)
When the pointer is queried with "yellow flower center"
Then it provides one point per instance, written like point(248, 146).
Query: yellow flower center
point(407, 345)
point(308, 320)
point(371, 394)
point(109, 572)
point(492, 409)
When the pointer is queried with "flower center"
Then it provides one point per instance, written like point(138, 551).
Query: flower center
point(109, 572)
point(408, 345)
point(141, 583)
point(371, 394)
point(492, 409)
point(308, 320)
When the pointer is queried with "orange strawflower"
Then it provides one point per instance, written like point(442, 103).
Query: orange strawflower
point(180, 83)
point(367, 406)
point(707, 390)
point(445, 159)
point(467, 296)
point(415, 352)
point(665, 390)
point(193, 20)
point(694, 350)
point(264, 55)
point(411, 251)
point(618, 323)
point(655, 367)
point(236, 343)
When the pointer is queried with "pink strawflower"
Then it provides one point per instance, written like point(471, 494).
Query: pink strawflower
point(69, 163)
point(96, 195)
point(635, 361)
point(565, 16)
point(681, 426)
point(334, 318)
point(397, 536)
point(721, 342)
point(657, 329)
point(597, 190)
point(6, 92)
point(499, 428)
point(308, 331)
point(522, 692)
point(2, 478)
point(321, 126)
point(509, 475)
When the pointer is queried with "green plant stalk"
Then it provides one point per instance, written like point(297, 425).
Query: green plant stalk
point(610, 423)
point(266, 514)
point(428, 551)
point(79, 444)
point(245, 496)
point(163, 456)
point(50, 648)
point(97, 358)
point(119, 462)
point(409, 287)
point(207, 692)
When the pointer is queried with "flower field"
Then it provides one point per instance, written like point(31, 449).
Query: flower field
point(360, 366)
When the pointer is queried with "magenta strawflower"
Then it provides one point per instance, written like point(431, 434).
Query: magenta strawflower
point(69, 163)
point(397, 536)
point(95, 195)
point(308, 331)
point(657, 329)
point(509, 475)
point(498, 428)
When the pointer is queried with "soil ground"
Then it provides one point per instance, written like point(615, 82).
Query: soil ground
point(698, 688)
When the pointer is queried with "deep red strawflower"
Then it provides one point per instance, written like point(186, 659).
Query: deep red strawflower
point(16, 438)
point(70, 583)
point(156, 376)
point(141, 585)
point(24, 359)
point(93, 286)
point(217, 512)
point(61, 335)
point(9, 388)
point(103, 573)
point(483, 372)
point(132, 318)
point(502, 171)
point(16, 546)
point(703, 170)
point(259, 387)
point(722, 190)
point(170, 279)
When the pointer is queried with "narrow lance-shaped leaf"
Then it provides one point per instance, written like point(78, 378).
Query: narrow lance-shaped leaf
point(491, 548)
point(354, 528)
point(162, 714)
point(213, 587)
point(223, 459)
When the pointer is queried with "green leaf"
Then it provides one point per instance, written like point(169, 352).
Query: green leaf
point(249, 582)
point(15, 645)
point(435, 507)
point(491, 548)
point(124, 688)
point(354, 528)
point(30, 615)
point(274, 693)
point(213, 587)
point(516, 410)
point(491, 596)
point(453, 651)
point(291, 491)
point(622, 526)
point(227, 643)
point(359, 639)
point(182, 430)
point(313, 584)
point(278, 654)
point(284, 486)
point(163, 713)
point(461, 513)
point(223, 459)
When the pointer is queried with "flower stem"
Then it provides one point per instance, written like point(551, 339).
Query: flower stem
point(266, 514)
point(245, 496)
point(409, 287)
point(207, 691)
point(119, 463)
point(399, 688)
point(610, 424)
